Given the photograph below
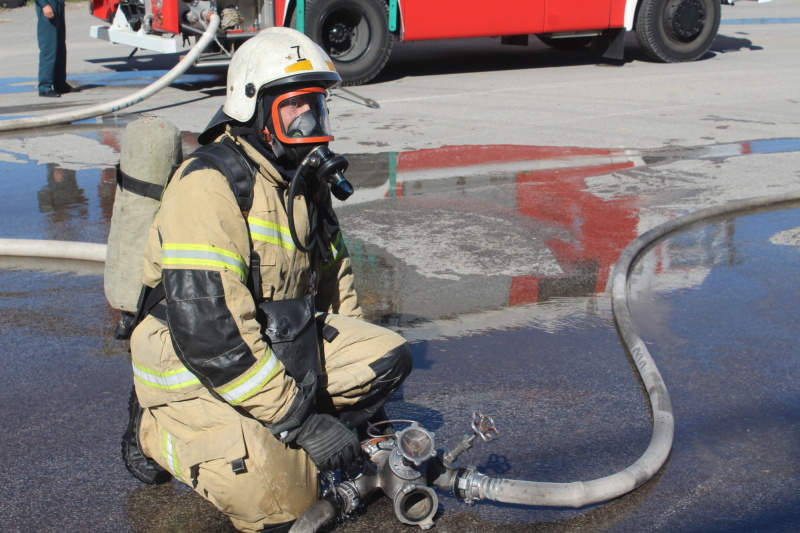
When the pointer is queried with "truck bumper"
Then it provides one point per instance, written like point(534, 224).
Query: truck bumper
point(139, 40)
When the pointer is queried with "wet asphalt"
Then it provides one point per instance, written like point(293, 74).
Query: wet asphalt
point(538, 351)
point(494, 260)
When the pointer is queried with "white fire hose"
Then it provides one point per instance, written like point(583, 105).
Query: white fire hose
point(120, 103)
point(81, 251)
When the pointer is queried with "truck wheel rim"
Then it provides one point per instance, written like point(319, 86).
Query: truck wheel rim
point(346, 34)
point(685, 19)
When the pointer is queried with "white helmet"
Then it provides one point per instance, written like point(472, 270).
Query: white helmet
point(276, 56)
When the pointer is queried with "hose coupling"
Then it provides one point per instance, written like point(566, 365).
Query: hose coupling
point(416, 504)
point(469, 484)
point(348, 496)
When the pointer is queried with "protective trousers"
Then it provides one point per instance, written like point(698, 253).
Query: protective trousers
point(52, 37)
point(233, 460)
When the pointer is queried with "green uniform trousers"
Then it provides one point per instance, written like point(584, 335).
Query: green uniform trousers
point(52, 36)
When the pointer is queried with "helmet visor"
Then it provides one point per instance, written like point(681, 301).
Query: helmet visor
point(302, 117)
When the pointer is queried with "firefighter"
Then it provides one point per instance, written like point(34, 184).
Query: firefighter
point(218, 402)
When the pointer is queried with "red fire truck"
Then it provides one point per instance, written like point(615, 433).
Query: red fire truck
point(359, 34)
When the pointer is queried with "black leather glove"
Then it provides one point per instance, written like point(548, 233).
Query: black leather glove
point(328, 442)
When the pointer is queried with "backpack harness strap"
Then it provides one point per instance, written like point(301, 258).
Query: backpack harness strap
point(137, 186)
point(228, 158)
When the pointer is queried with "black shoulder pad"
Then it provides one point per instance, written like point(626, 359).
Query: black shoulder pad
point(198, 164)
point(228, 158)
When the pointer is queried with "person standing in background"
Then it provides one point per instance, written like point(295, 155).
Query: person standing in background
point(51, 32)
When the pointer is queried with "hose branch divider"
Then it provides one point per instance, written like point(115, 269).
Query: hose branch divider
point(120, 103)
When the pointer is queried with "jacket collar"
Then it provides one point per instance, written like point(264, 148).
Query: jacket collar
point(257, 157)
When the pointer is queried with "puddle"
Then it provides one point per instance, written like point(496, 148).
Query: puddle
point(496, 228)
point(517, 224)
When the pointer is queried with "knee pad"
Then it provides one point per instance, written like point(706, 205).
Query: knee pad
point(394, 365)
point(390, 372)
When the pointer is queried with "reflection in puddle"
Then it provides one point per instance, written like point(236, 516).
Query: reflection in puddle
point(61, 197)
point(515, 224)
point(51, 202)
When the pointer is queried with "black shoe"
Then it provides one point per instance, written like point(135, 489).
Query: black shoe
point(142, 467)
point(67, 88)
point(50, 94)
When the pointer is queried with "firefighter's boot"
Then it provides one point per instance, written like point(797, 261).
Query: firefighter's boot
point(142, 467)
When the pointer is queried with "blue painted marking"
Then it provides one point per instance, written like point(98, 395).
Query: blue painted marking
point(7, 87)
point(10, 89)
point(137, 77)
point(762, 21)
point(141, 77)
point(774, 146)
point(4, 117)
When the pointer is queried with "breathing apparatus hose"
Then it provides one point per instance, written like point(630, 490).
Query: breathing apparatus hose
point(297, 181)
point(579, 494)
point(120, 103)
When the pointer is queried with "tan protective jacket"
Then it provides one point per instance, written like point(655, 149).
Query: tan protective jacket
point(199, 246)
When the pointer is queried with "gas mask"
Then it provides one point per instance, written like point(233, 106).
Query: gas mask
point(294, 123)
point(296, 128)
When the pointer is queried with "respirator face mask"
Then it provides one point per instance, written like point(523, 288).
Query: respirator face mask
point(297, 129)
point(299, 122)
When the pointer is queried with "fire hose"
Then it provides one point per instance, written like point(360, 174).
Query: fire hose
point(406, 465)
point(126, 101)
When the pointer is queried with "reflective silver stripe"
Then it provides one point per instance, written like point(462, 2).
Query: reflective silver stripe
point(202, 255)
point(168, 453)
point(265, 231)
point(252, 381)
point(174, 379)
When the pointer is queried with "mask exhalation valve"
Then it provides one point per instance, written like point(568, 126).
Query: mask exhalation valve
point(330, 168)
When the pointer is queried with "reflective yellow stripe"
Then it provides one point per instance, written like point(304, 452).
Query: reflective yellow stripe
point(252, 381)
point(202, 255)
point(168, 453)
point(262, 230)
point(337, 251)
point(174, 379)
point(300, 65)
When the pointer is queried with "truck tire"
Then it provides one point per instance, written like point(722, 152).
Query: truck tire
point(675, 31)
point(354, 33)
